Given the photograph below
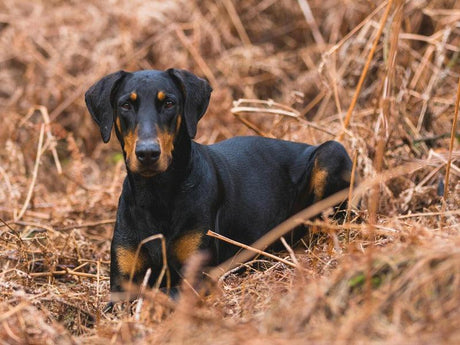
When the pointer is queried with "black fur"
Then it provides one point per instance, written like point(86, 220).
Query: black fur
point(240, 188)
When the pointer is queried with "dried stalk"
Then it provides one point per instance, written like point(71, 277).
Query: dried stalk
point(290, 251)
point(34, 174)
point(350, 192)
point(87, 225)
point(197, 57)
point(137, 313)
point(451, 145)
point(228, 4)
point(289, 112)
point(308, 14)
point(347, 119)
point(69, 272)
point(164, 269)
point(358, 27)
point(255, 250)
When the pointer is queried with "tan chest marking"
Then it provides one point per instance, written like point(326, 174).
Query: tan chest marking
point(184, 247)
point(126, 259)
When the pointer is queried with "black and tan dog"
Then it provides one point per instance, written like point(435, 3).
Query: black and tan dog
point(240, 188)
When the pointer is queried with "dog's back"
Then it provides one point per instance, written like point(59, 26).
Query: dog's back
point(271, 180)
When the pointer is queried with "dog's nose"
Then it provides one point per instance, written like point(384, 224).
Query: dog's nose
point(147, 152)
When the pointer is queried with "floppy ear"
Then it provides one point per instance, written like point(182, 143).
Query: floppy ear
point(99, 103)
point(196, 92)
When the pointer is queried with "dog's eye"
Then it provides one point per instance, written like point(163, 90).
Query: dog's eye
point(126, 106)
point(168, 104)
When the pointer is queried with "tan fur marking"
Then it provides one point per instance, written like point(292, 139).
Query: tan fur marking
point(178, 123)
point(130, 148)
point(185, 246)
point(318, 181)
point(161, 95)
point(126, 259)
point(133, 96)
point(166, 141)
point(118, 123)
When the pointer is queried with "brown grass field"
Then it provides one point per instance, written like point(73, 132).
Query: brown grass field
point(382, 77)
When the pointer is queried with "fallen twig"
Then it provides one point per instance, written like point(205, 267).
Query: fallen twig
point(255, 250)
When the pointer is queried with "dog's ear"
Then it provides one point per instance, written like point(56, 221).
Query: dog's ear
point(98, 99)
point(196, 92)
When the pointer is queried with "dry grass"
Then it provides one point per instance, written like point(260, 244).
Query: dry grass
point(391, 275)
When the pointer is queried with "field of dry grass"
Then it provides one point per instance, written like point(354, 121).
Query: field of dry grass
point(380, 76)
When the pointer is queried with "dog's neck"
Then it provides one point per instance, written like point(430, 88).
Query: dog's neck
point(155, 194)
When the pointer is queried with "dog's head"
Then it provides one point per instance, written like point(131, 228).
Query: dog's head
point(149, 108)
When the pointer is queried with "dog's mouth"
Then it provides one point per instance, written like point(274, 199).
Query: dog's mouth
point(150, 170)
point(146, 171)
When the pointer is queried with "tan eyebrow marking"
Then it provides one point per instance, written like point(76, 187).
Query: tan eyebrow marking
point(133, 96)
point(161, 95)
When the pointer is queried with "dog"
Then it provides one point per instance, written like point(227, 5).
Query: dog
point(241, 187)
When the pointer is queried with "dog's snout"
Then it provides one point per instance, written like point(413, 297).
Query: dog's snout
point(147, 152)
